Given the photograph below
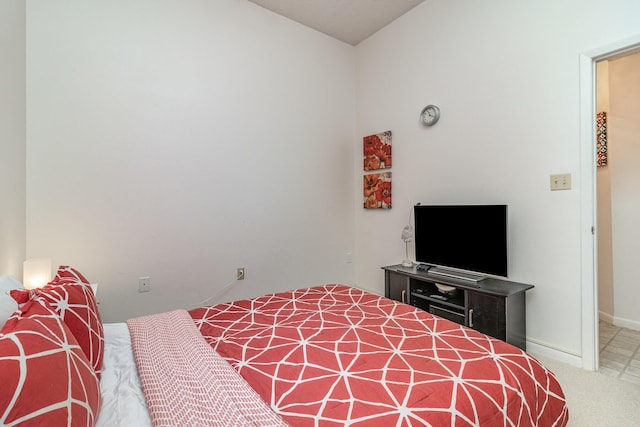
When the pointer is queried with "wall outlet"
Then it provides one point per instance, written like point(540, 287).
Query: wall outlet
point(240, 273)
point(144, 284)
point(348, 257)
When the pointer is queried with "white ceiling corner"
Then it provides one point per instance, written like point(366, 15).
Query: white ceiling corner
point(350, 21)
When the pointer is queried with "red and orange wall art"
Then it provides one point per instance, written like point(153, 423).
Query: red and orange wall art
point(377, 151)
point(377, 186)
point(377, 191)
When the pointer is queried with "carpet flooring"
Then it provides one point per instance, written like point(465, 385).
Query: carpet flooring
point(611, 396)
point(595, 399)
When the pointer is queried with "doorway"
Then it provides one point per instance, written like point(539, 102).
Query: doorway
point(617, 178)
point(589, 255)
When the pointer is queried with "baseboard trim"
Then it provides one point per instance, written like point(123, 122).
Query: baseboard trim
point(619, 321)
point(606, 317)
point(561, 355)
point(626, 323)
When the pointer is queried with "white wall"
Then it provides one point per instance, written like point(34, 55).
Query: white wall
point(506, 77)
point(624, 134)
point(180, 140)
point(12, 137)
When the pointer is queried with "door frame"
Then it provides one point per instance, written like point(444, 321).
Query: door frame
point(589, 234)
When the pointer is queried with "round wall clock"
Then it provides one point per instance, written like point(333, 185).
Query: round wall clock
point(430, 115)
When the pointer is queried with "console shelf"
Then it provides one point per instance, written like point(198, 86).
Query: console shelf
point(492, 306)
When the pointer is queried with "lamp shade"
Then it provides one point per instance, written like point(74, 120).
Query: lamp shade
point(36, 272)
point(407, 234)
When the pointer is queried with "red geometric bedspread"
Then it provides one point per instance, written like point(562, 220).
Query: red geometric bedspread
point(334, 355)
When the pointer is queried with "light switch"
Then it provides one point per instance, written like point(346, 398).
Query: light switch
point(561, 182)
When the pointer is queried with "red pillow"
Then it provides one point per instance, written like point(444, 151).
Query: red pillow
point(76, 304)
point(68, 274)
point(46, 378)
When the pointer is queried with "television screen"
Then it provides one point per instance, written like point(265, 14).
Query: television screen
point(465, 237)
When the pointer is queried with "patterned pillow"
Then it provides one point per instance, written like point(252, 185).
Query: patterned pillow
point(68, 274)
point(46, 378)
point(76, 304)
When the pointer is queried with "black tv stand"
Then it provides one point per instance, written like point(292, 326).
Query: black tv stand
point(492, 306)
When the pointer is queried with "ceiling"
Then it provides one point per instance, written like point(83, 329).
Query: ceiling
point(350, 21)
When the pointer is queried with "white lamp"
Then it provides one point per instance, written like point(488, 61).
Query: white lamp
point(36, 272)
point(407, 236)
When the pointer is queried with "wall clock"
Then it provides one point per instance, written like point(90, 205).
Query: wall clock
point(430, 115)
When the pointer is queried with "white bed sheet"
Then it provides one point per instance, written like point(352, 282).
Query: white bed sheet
point(123, 402)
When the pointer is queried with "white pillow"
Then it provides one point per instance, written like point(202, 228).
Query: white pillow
point(7, 304)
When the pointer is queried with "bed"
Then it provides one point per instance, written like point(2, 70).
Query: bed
point(322, 356)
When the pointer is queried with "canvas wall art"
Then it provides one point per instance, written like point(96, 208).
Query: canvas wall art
point(377, 151)
point(377, 191)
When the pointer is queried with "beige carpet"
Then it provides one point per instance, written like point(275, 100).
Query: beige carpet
point(595, 399)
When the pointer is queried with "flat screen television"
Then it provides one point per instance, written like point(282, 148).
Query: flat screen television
point(472, 238)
